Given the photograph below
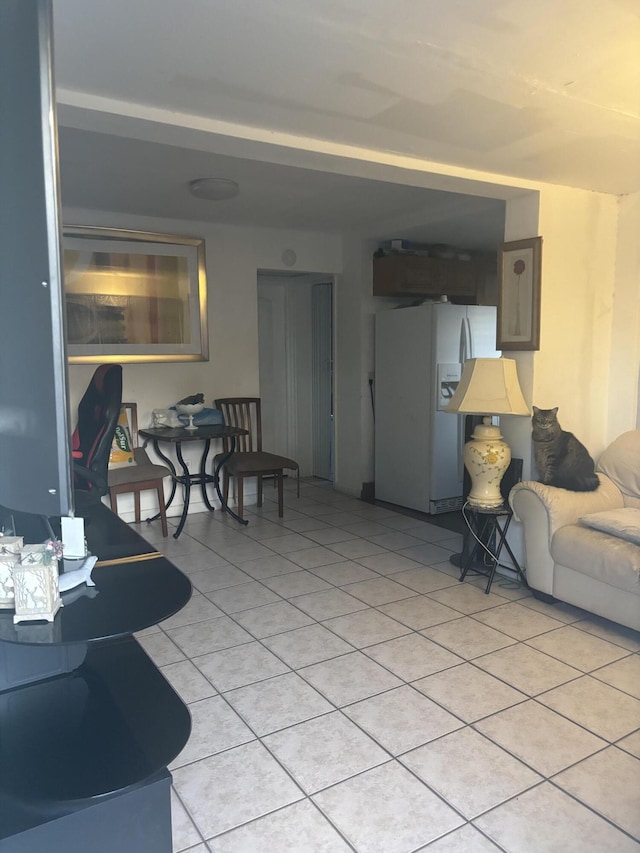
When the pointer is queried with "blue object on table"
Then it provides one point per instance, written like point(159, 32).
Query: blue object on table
point(207, 417)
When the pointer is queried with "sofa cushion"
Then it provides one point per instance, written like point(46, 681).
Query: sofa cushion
point(624, 523)
point(606, 558)
point(621, 463)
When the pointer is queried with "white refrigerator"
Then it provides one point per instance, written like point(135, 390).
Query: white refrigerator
point(419, 353)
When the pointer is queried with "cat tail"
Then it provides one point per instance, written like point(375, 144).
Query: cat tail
point(588, 483)
point(591, 483)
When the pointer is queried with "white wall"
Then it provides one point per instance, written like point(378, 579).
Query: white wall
point(354, 309)
point(571, 370)
point(624, 364)
point(233, 256)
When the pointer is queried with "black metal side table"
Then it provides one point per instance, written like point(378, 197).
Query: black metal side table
point(178, 435)
point(487, 539)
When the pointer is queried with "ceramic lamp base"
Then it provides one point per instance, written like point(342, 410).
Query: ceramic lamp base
point(486, 458)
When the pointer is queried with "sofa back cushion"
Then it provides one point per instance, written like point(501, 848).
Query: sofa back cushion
point(621, 463)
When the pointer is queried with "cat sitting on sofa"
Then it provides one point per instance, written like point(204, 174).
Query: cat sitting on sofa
point(561, 459)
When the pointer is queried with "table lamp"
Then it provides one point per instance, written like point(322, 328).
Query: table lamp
point(489, 386)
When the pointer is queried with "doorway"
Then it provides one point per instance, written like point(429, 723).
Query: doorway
point(295, 340)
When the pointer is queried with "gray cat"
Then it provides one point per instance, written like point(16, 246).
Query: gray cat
point(561, 459)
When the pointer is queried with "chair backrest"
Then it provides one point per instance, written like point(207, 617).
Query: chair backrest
point(243, 412)
point(98, 413)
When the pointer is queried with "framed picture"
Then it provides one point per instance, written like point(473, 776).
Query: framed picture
point(133, 297)
point(519, 295)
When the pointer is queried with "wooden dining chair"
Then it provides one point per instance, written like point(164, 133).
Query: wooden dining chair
point(249, 459)
point(141, 477)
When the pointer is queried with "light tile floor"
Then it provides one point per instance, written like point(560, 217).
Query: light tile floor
point(349, 694)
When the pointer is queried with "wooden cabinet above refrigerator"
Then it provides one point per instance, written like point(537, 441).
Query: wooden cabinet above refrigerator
point(420, 275)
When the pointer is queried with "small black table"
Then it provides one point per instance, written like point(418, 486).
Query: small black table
point(178, 435)
point(487, 538)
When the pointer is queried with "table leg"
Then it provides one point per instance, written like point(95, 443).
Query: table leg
point(216, 482)
point(203, 475)
point(186, 482)
point(516, 564)
point(174, 481)
point(474, 554)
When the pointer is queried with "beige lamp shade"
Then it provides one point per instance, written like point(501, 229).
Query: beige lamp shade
point(489, 386)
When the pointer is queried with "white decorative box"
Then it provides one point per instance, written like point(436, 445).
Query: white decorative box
point(36, 555)
point(10, 545)
point(35, 580)
point(7, 563)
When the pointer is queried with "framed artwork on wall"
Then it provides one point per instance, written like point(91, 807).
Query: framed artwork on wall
point(132, 296)
point(519, 278)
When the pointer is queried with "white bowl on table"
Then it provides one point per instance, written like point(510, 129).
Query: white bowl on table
point(190, 409)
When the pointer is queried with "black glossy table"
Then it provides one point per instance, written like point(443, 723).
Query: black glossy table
point(127, 597)
point(178, 436)
point(88, 724)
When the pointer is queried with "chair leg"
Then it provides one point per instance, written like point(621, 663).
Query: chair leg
point(113, 497)
point(225, 486)
point(240, 489)
point(280, 476)
point(163, 510)
point(136, 503)
point(259, 489)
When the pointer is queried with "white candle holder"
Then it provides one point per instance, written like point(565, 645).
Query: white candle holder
point(7, 597)
point(10, 547)
point(35, 580)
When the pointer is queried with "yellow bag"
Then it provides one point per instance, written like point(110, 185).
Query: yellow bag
point(121, 454)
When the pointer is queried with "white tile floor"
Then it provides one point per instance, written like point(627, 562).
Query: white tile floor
point(348, 694)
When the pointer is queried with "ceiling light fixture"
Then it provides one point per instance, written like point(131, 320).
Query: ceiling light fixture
point(214, 189)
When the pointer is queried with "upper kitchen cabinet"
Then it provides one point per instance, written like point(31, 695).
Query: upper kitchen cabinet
point(419, 275)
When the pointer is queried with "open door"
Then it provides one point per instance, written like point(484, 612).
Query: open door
point(296, 368)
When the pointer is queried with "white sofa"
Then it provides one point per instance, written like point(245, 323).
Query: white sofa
point(583, 548)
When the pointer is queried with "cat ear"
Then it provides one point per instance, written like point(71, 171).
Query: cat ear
point(555, 411)
point(536, 410)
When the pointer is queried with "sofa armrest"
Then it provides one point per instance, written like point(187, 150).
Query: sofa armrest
point(564, 507)
point(543, 510)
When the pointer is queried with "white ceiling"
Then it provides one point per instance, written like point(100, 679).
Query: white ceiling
point(153, 93)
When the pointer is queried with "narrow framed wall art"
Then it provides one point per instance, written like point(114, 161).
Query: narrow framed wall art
point(519, 284)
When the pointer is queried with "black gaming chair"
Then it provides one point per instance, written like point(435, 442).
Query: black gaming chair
point(98, 413)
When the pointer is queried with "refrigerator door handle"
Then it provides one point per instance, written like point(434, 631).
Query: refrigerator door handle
point(463, 355)
point(470, 348)
point(463, 341)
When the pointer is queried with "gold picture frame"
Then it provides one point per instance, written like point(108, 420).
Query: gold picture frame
point(133, 296)
point(519, 266)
